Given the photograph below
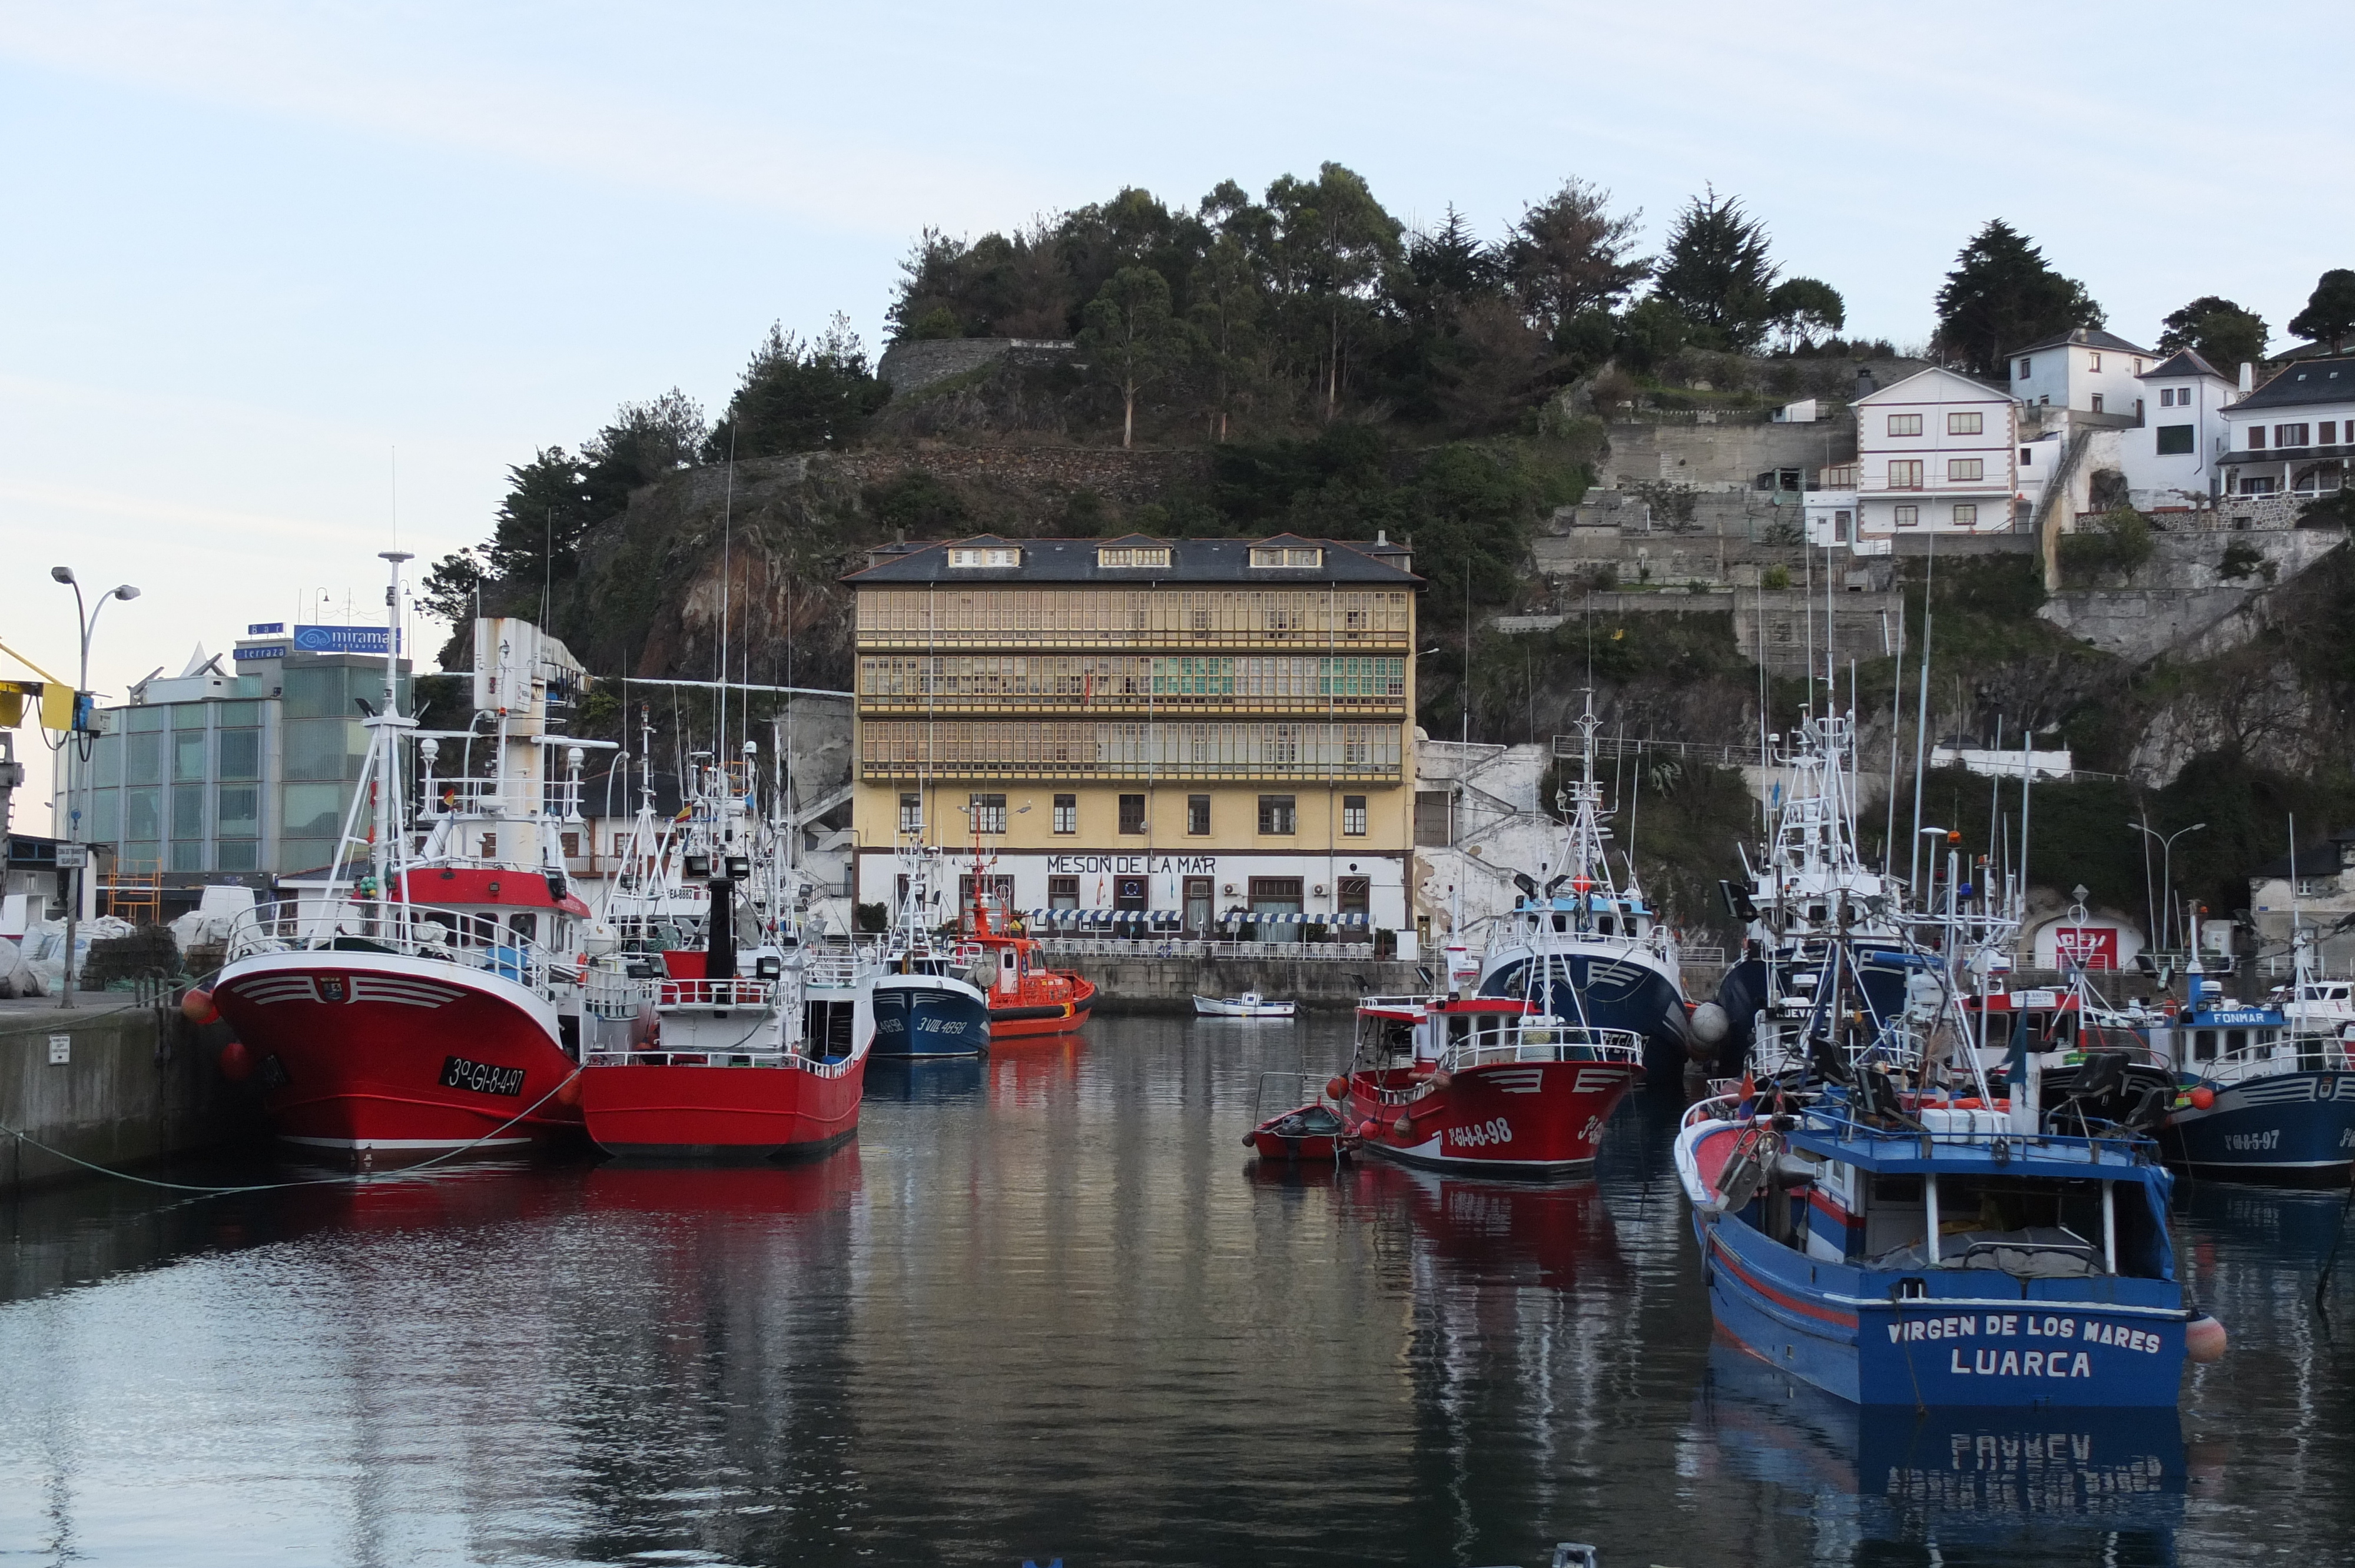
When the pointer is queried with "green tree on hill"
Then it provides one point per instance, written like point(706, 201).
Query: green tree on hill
point(2219, 332)
point(1571, 254)
point(1803, 308)
point(1130, 339)
point(1333, 244)
point(1716, 274)
point(799, 396)
point(2330, 314)
point(2002, 294)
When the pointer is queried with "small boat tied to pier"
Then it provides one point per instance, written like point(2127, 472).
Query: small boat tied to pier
point(1310, 1131)
point(1251, 1004)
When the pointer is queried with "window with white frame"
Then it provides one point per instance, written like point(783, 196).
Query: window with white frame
point(2097, 402)
point(1966, 424)
point(1067, 813)
point(2093, 361)
point(964, 555)
point(1905, 474)
point(1966, 471)
point(1909, 516)
point(1130, 556)
point(911, 813)
point(1904, 424)
point(988, 813)
point(2024, 365)
point(1966, 514)
point(1285, 555)
point(2289, 435)
point(1353, 816)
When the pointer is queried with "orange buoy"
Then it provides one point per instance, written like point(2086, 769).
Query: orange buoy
point(2204, 1340)
point(568, 1093)
point(1337, 1088)
point(2202, 1098)
point(236, 1062)
point(197, 1006)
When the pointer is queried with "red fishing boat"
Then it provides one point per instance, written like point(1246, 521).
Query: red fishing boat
point(1483, 1084)
point(1311, 1131)
point(422, 1000)
point(1027, 998)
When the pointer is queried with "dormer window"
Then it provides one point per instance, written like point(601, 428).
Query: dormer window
point(969, 555)
point(1293, 555)
point(1130, 557)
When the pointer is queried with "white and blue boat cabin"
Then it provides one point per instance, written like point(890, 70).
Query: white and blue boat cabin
point(2262, 1101)
point(1926, 1255)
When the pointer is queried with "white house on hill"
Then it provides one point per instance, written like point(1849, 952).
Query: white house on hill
point(2295, 434)
point(1937, 452)
point(2170, 461)
point(2086, 369)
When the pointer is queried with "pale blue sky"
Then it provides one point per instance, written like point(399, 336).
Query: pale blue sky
point(253, 248)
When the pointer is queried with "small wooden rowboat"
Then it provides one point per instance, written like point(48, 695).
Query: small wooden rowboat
point(1311, 1132)
point(1251, 1004)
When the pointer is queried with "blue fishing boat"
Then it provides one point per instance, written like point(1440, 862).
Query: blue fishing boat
point(923, 1006)
point(1897, 1249)
point(1585, 948)
point(2258, 1101)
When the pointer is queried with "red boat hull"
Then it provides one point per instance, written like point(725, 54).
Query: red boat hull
point(1516, 1119)
point(1276, 1146)
point(387, 1056)
point(645, 1110)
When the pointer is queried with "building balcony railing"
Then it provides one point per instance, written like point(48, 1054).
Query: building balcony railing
point(1134, 708)
point(1168, 773)
point(1171, 639)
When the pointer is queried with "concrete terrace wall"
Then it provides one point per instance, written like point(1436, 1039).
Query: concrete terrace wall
point(906, 365)
point(1170, 985)
point(2180, 601)
point(1724, 453)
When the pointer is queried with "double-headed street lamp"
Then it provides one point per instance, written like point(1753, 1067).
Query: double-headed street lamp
point(2162, 917)
point(77, 752)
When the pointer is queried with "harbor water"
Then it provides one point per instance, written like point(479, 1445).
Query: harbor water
point(1045, 1307)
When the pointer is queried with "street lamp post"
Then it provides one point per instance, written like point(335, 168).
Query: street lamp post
point(2166, 871)
point(78, 756)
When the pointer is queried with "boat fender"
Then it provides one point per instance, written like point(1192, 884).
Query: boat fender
point(1709, 1023)
point(1337, 1088)
point(236, 1062)
point(1368, 1128)
point(1403, 1126)
point(196, 1007)
point(2204, 1340)
point(2202, 1098)
point(568, 1093)
point(1443, 1080)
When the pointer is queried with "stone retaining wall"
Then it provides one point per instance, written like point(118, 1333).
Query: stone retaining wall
point(137, 1083)
point(1170, 985)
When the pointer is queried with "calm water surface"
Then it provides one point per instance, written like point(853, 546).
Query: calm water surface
point(1045, 1308)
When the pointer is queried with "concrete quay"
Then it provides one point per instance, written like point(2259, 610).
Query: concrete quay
point(112, 1081)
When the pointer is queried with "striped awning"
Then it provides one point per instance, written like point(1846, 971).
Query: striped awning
point(1105, 919)
point(1274, 917)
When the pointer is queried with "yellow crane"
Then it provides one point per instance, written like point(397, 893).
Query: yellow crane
point(53, 698)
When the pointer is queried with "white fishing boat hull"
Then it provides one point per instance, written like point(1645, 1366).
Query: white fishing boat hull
point(1230, 1007)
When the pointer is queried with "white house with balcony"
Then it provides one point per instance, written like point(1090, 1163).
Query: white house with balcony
point(2170, 463)
point(2295, 434)
point(2086, 369)
point(1936, 453)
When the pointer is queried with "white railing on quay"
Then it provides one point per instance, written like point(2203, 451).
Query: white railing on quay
point(1196, 947)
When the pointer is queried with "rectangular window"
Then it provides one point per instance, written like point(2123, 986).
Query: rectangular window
point(1966, 516)
point(104, 824)
point(1067, 813)
point(2137, 367)
point(1132, 813)
point(240, 754)
point(311, 812)
point(490, 846)
point(1062, 892)
point(911, 813)
point(2289, 435)
point(2174, 441)
point(187, 812)
point(1356, 896)
point(2256, 437)
point(988, 813)
point(143, 814)
point(238, 856)
point(1904, 424)
point(1198, 814)
point(1353, 815)
point(143, 756)
point(571, 843)
point(2093, 361)
point(2166, 396)
point(1905, 474)
point(1908, 517)
point(2027, 457)
point(1275, 894)
point(1839, 528)
point(1968, 470)
point(2097, 397)
point(1970, 423)
point(238, 807)
point(1276, 814)
point(1285, 555)
point(2328, 435)
point(2024, 365)
point(987, 556)
point(1130, 557)
point(188, 754)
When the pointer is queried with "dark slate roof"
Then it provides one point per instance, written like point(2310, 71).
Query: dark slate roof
point(1191, 561)
point(2306, 381)
point(2321, 858)
point(2186, 362)
point(2083, 337)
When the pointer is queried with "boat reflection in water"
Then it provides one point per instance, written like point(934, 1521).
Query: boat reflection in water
point(920, 1080)
point(1468, 1231)
point(1979, 1478)
point(817, 1185)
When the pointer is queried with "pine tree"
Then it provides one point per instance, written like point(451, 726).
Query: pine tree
point(2001, 295)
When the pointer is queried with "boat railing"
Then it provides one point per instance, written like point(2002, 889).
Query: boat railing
point(1542, 1042)
point(1414, 1004)
point(2272, 1058)
point(653, 1054)
point(833, 967)
point(407, 930)
point(742, 991)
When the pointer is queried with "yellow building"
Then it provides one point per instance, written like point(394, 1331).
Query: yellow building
point(1145, 735)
